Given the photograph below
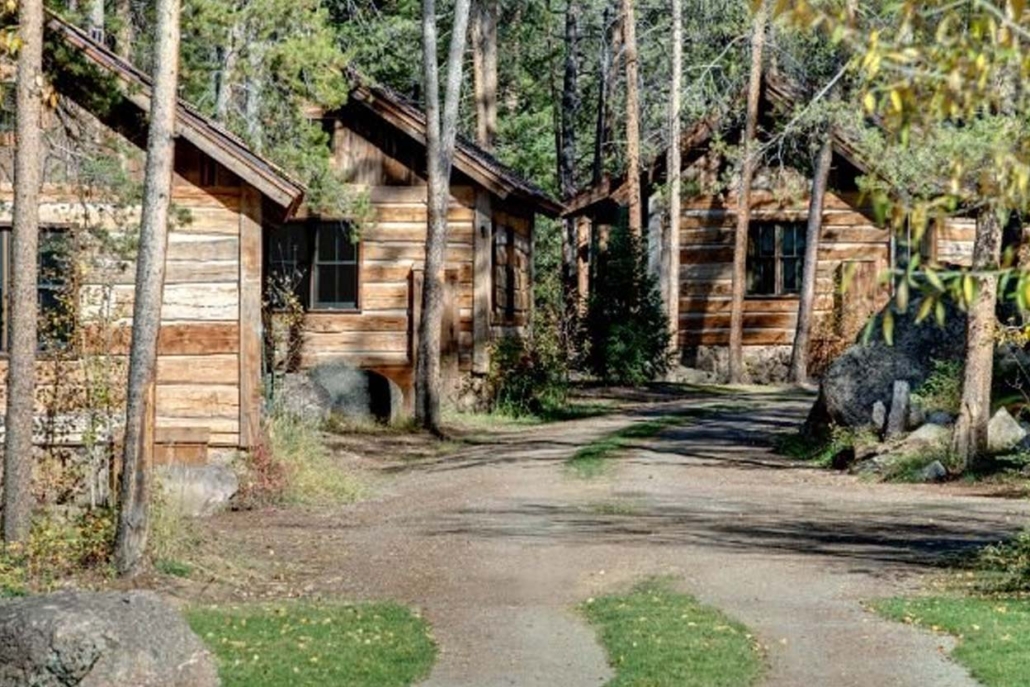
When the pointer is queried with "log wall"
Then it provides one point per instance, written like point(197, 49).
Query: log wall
point(850, 236)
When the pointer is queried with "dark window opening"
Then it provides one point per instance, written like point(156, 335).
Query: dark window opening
point(55, 300)
point(509, 278)
point(317, 262)
point(775, 258)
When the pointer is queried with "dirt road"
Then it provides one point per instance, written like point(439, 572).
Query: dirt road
point(498, 544)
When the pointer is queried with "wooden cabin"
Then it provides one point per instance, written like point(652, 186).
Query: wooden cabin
point(209, 376)
point(362, 296)
point(855, 249)
point(238, 221)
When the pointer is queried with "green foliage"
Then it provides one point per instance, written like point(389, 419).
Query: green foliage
point(293, 465)
point(822, 451)
point(58, 548)
point(593, 459)
point(942, 390)
point(1006, 565)
point(310, 645)
point(993, 634)
point(525, 378)
point(626, 335)
point(655, 637)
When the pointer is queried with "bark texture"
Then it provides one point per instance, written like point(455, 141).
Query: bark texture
point(806, 304)
point(629, 33)
point(969, 441)
point(441, 131)
point(134, 505)
point(125, 30)
point(22, 299)
point(747, 172)
point(570, 102)
point(671, 262)
point(484, 71)
point(604, 66)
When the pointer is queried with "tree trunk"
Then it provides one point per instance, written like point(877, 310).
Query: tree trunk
point(970, 439)
point(570, 101)
point(133, 513)
point(96, 20)
point(747, 171)
point(125, 33)
point(603, 86)
point(484, 70)
point(224, 79)
point(22, 300)
point(806, 304)
point(629, 33)
point(440, 136)
point(671, 262)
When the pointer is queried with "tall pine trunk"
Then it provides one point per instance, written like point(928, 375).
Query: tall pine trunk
point(629, 34)
point(96, 20)
point(570, 102)
point(671, 262)
point(747, 172)
point(604, 66)
point(970, 439)
point(484, 71)
point(134, 504)
point(22, 299)
point(440, 135)
point(806, 304)
point(125, 30)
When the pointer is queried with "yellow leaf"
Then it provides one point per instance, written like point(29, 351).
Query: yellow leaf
point(925, 308)
point(888, 328)
point(968, 289)
point(896, 101)
point(869, 102)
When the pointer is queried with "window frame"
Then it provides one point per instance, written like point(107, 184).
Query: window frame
point(778, 258)
point(5, 286)
point(307, 263)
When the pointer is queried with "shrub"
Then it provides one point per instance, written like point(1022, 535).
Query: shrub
point(292, 464)
point(626, 334)
point(525, 378)
point(942, 390)
point(1007, 565)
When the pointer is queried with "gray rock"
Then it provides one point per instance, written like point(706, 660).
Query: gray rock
point(299, 395)
point(198, 491)
point(109, 639)
point(940, 417)
point(934, 472)
point(899, 410)
point(927, 436)
point(359, 394)
point(879, 416)
point(1003, 432)
point(866, 372)
point(916, 415)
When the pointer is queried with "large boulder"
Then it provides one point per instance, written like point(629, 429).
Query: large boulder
point(109, 639)
point(867, 371)
point(337, 388)
point(198, 491)
point(1004, 433)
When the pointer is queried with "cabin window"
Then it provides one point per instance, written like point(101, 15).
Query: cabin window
point(318, 262)
point(775, 258)
point(504, 264)
point(55, 302)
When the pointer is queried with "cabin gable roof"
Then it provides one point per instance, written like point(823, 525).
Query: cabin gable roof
point(469, 159)
point(210, 138)
point(778, 93)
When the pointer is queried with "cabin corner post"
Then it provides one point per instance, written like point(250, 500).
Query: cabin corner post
point(250, 325)
point(482, 283)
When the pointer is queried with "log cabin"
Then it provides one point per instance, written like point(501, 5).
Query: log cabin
point(361, 297)
point(239, 221)
point(855, 250)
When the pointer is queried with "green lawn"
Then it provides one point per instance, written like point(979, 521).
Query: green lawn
point(993, 634)
point(301, 645)
point(655, 637)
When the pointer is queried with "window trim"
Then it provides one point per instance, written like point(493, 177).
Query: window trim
point(42, 352)
point(310, 263)
point(778, 258)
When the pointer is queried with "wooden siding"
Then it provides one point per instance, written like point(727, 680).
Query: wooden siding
point(198, 378)
point(378, 334)
point(706, 267)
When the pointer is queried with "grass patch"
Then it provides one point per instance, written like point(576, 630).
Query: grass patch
point(502, 420)
point(592, 460)
point(655, 637)
point(822, 452)
point(364, 645)
point(293, 465)
point(993, 634)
